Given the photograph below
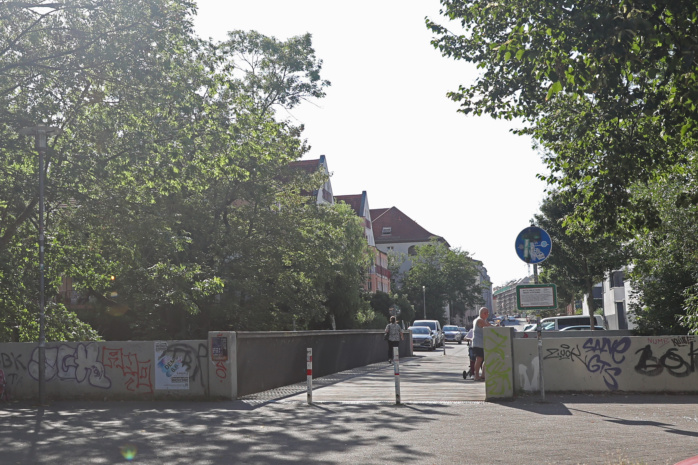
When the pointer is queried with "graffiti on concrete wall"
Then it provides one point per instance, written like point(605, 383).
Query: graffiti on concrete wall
point(136, 373)
point(601, 356)
point(179, 364)
point(678, 359)
point(80, 364)
point(611, 357)
point(529, 383)
point(13, 367)
point(498, 379)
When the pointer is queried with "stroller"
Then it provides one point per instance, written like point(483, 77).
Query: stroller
point(471, 370)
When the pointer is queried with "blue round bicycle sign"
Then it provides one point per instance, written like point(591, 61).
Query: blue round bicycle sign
point(533, 245)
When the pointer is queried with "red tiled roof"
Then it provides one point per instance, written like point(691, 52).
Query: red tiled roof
point(402, 227)
point(309, 166)
point(354, 201)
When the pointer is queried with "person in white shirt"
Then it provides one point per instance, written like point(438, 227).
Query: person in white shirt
point(394, 332)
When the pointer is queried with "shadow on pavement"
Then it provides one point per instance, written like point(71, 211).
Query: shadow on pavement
point(186, 433)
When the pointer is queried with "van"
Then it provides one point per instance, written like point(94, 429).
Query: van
point(435, 327)
point(559, 322)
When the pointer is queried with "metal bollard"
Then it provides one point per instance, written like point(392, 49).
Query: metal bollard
point(540, 361)
point(309, 373)
point(396, 368)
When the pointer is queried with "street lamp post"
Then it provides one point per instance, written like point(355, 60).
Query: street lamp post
point(424, 301)
point(41, 133)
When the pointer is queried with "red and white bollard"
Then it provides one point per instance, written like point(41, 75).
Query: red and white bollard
point(396, 368)
point(309, 373)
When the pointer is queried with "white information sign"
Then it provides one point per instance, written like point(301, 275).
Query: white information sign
point(536, 297)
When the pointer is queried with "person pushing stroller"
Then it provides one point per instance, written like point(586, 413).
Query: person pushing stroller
point(471, 353)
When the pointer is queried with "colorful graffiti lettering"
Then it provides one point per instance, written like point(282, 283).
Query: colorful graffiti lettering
point(593, 356)
point(137, 373)
point(614, 347)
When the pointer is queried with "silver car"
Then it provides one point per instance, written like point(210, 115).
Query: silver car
point(452, 334)
point(422, 338)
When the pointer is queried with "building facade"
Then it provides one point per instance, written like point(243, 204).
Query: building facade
point(378, 273)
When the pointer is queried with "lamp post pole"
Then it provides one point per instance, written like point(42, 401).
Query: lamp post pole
point(424, 301)
point(41, 133)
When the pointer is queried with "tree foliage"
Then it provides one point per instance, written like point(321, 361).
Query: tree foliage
point(576, 262)
point(448, 276)
point(171, 176)
point(608, 89)
point(665, 260)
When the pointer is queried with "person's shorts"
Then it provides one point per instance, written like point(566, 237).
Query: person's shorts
point(479, 352)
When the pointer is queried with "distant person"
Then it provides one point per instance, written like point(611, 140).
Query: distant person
point(502, 322)
point(394, 332)
point(479, 343)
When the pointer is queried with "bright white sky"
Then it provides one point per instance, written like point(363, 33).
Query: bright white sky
point(387, 127)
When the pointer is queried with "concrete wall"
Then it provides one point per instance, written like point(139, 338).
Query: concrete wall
point(594, 362)
point(271, 360)
point(225, 366)
point(115, 370)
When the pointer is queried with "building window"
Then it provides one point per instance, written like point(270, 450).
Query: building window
point(617, 278)
point(387, 231)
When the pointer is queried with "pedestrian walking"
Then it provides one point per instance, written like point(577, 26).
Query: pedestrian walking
point(394, 335)
point(479, 343)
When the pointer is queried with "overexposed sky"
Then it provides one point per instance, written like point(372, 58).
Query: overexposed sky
point(387, 127)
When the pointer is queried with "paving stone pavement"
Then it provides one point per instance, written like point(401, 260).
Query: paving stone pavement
point(279, 427)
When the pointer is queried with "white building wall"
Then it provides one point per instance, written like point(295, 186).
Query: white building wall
point(616, 304)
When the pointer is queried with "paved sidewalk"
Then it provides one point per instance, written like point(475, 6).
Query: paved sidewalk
point(279, 427)
point(426, 377)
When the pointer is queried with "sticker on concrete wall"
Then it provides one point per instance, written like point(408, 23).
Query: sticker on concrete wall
point(219, 349)
point(170, 371)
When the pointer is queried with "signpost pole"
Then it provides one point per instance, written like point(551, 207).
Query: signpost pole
point(535, 273)
point(533, 245)
point(540, 360)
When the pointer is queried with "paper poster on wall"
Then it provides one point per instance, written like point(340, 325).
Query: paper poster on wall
point(170, 372)
point(219, 349)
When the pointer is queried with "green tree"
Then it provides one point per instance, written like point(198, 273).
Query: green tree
point(607, 89)
point(576, 262)
point(448, 276)
point(57, 63)
point(169, 175)
point(664, 269)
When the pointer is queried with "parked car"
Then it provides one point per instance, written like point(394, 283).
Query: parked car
point(582, 328)
point(544, 326)
point(452, 334)
point(560, 322)
point(435, 327)
point(422, 338)
point(463, 333)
